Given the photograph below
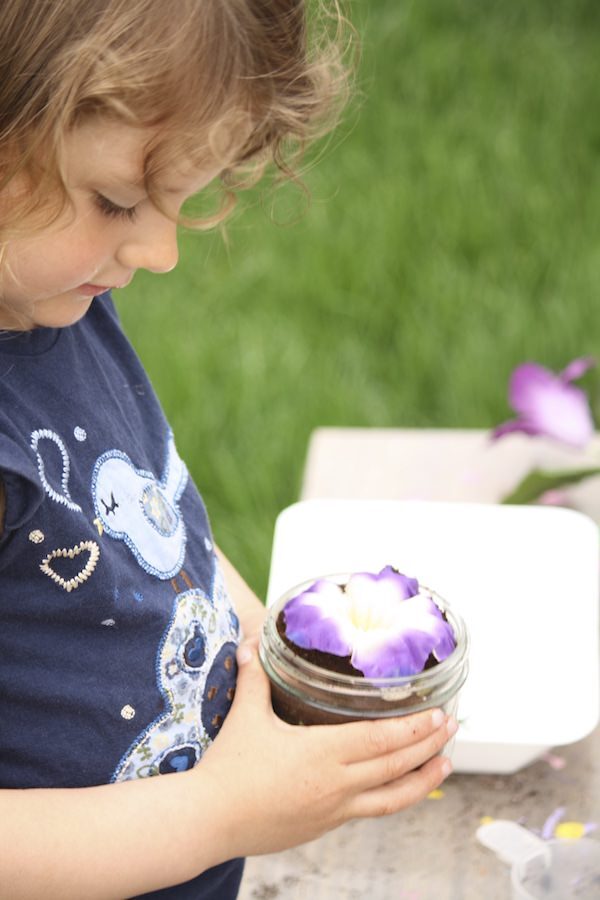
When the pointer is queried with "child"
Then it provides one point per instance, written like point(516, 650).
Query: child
point(118, 642)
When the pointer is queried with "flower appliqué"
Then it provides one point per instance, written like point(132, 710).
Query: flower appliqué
point(196, 676)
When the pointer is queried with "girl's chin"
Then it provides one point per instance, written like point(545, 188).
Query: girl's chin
point(60, 312)
point(53, 312)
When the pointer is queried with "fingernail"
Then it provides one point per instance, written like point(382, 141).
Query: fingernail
point(244, 654)
point(437, 717)
point(446, 768)
point(451, 726)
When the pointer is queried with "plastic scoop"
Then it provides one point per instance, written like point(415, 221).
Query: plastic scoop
point(544, 870)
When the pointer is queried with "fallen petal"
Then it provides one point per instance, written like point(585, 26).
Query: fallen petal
point(512, 426)
point(577, 368)
point(549, 405)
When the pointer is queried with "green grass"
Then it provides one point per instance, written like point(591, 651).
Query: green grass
point(454, 232)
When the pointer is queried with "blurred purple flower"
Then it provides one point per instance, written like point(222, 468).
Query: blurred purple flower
point(383, 622)
point(549, 405)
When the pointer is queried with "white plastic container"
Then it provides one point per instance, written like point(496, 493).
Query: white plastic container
point(572, 871)
point(525, 580)
point(544, 870)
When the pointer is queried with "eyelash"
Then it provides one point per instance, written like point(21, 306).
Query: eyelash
point(112, 211)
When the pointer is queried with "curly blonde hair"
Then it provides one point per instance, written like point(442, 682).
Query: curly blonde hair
point(247, 81)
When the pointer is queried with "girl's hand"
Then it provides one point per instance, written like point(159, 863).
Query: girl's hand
point(278, 785)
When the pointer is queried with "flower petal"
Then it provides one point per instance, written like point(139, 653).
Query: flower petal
point(563, 413)
point(404, 654)
point(389, 581)
point(405, 585)
point(549, 404)
point(577, 368)
point(313, 620)
point(512, 426)
point(421, 630)
point(377, 620)
point(527, 384)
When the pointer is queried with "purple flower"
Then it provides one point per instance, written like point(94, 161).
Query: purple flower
point(549, 405)
point(383, 622)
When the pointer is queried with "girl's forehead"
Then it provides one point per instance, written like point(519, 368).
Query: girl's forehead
point(107, 152)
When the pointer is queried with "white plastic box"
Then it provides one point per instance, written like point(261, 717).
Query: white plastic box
point(524, 578)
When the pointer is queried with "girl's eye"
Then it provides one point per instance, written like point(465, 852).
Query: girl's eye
point(113, 211)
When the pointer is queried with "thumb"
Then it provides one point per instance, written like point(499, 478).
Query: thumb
point(253, 684)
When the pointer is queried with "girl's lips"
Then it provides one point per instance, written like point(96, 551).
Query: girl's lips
point(93, 290)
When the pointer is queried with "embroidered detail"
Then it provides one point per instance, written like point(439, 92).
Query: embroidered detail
point(64, 497)
point(178, 760)
point(109, 507)
point(80, 433)
point(159, 513)
point(186, 580)
point(72, 583)
point(220, 689)
point(208, 544)
point(235, 622)
point(36, 536)
point(196, 674)
point(108, 622)
point(128, 712)
point(133, 506)
point(98, 523)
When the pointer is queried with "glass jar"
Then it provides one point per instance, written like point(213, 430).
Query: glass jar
point(307, 694)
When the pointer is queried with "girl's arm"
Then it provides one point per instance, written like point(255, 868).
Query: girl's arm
point(262, 786)
point(250, 610)
point(111, 841)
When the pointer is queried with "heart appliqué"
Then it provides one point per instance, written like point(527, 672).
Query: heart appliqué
point(71, 583)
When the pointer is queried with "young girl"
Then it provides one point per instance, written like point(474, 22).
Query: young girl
point(118, 642)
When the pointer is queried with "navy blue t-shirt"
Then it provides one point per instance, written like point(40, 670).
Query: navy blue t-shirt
point(117, 637)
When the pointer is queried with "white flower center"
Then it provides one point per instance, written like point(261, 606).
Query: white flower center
point(371, 607)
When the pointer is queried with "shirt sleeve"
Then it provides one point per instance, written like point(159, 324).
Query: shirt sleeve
point(22, 488)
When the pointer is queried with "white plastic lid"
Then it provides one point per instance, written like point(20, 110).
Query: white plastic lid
point(511, 842)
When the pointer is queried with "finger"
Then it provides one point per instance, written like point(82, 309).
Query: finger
point(383, 770)
point(253, 686)
point(405, 791)
point(378, 737)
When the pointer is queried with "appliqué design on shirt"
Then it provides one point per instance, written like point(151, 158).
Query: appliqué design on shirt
point(69, 584)
point(196, 675)
point(60, 496)
point(133, 506)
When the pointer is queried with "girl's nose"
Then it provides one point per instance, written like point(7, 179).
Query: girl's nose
point(151, 246)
